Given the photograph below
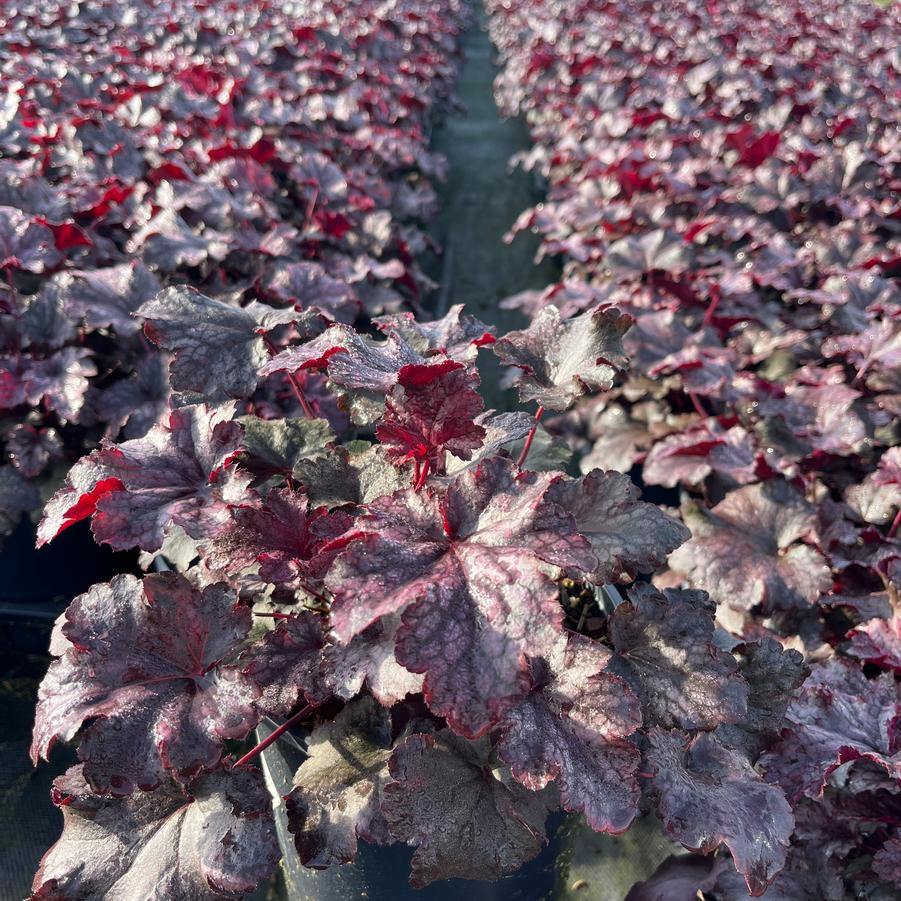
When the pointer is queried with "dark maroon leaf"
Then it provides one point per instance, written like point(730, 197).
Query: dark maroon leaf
point(626, 535)
point(24, 243)
point(571, 728)
point(838, 715)
point(665, 650)
point(446, 799)
point(710, 795)
point(461, 563)
point(747, 550)
point(773, 675)
point(209, 840)
point(887, 862)
point(878, 641)
point(431, 410)
point(217, 348)
point(564, 359)
point(144, 658)
point(285, 664)
point(109, 297)
point(180, 473)
point(338, 788)
point(456, 335)
point(284, 535)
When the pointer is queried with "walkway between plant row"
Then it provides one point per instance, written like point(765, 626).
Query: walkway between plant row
point(479, 203)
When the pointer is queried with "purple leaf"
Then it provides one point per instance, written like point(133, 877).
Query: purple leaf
point(837, 716)
point(878, 641)
point(134, 404)
point(689, 457)
point(773, 675)
point(337, 789)
point(24, 243)
point(564, 359)
point(369, 658)
point(217, 348)
point(570, 728)
point(681, 877)
point(31, 450)
point(465, 821)
point(462, 564)
point(307, 285)
point(284, 535)
point(457, 335)
point(746, 550)
point(351, 360)
point(710, 795)
point(887, 862)
point(180, 473)
point(17, 496)
point(285, 664)
point(144, 658)
point(655, 250)
point(109, 297)
point(209, 840)
point(626, 535)
point(665, 650)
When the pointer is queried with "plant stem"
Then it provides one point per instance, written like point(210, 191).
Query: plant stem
point(699, 407)
point(530, 438)
point(708, 315)
point(295, 385)
point(277, 734)
point(423, 475)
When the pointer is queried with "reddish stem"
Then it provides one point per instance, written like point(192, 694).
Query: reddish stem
point(530, 437)
point(416, 473)
point(896, 523)
point(708, 316)
point(274, 615)
point(423, 475)
point(294, 383)
point(311, 206)
point(699, 407)
point(277, 734)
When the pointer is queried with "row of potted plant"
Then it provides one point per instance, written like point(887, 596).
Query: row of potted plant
point(726, 173)
point(272, 151)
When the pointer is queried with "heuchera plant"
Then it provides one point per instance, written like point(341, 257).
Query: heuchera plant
point(399, 589)
point(726, 173)
point(276, 148)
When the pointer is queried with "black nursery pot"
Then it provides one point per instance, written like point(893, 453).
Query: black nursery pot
point(382, 874)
